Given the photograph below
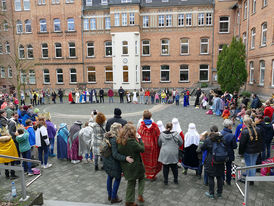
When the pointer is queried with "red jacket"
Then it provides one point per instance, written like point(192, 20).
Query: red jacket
point(147, 93)
point(110, 93)
point(268, 111)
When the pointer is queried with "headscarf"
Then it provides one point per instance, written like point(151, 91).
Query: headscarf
point(176, 126)
point(161, 126)
point(192, 136)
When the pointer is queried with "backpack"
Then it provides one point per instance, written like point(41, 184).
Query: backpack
point(105, 148)
point(219, 153)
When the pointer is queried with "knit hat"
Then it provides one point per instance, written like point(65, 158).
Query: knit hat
point(117, 111)
point(78, 122)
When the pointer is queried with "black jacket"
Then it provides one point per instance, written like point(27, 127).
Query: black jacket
point(101, 92)
point(251, 146)
point(121, 92)
point(269, 132)
point(229, 142)
point(256, 103)
point(117, 119)
point(261, 125)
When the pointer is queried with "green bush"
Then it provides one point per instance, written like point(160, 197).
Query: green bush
point(246, 94)
point(204, 85)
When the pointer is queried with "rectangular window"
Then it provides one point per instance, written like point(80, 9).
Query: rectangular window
point(55, 1)
point(124, 19)
point(30, 52)
point(57, 25)
point(26, 5)
point(4, 5)
point(86, 24)
point(180, 20)
point(46, 76)
point(254, 6)
point(224, 24)
point(136, 48)
point(60, 78)
point(146, 47)
point(90, 49)
point(244, 39)
point(125, 47)
point(71, 26)
point(253, 35)
point(245, 9)
point(6, 26)
point(107, 23)
point(9, 72)
point(93, 24)
point(201, 18)
point(145, 21)
point(43, 25)
point(168, 20)
point(73, 76)
point(209, 19)
point(1, 49)
point(184, 73)
point(184, 46)
point(262, 72)
point(104, 2)
point(7, 47)
point(109, 74)
point(19, 27)
point(131, 18)
point(45, 51)
point(204, 46)
point(17, 5)
point(126, 1)
point(72, 50)
point(88, 2)
point(188, 19)
point(264, 3)
point(164, 73)
point(21, 52)
point(117, 19)
point(58, 50)
point(108, 48)
point(146, 74)
point(125, 74)
point(28, 26)
point(3, 72)
point(69, 1)
point(165, 47)
point(161, 21)
point(251, 72)
point(264, 32)
point(221, 48)
point(204, 72)
point(23, 77)
point(32, 77)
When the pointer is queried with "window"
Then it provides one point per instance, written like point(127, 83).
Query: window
point(30, 52)
point(4, 5)
point(69, 1)
point(3, 72)
point(117, 19)
point(43, 25)
point(72, 50)
point(125, 73)
point(59, 73)
point(184, 73)
point(9, 72)
point(264, 3)
point(161, 21)
point(180, 20)
point(136, 48)
point(251, 72)
point(26, 4)
point(104, 2)
point(73, 76)
point(55, 1)
point(148, 1)
point(125, 47)
point(109, 74)
point(124, 19)
point(28, 26)
point(88, 2)
point(145, 21)
point(184, 46)
point(1, 48)
point(107, 23)
point(23, 77)
point(224, 24)
point(209, 19)
point(221, 46)
point(146, 47)
point(32, 77)
point(41, 2)
point(253, 35)
point(164, 73)
point(86, 24)
point(7, 47)
point(204, 46)
point(201, 18)
point(146, 74)
point(45, 51)
point(264, 31)
point(108, 48)
point(17, 5)
point(91, 75)
point(204, 72)
point(253, 6)
point(169, 20)
point(188, 19)
point(125, 1)
point(165, 46)
point(21, 52)
point(244, 39)
point(46, 76)
point(93, 24)
point(6, 25)
point(245, 9)
point(19, 27)
point(131, 18)
point(58, 50)
point(90, 49)
point(57, 25)
point(71, 26)
point(262, 72)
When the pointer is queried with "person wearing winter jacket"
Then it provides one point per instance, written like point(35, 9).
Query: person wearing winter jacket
point(269, 133)
point(268, 111)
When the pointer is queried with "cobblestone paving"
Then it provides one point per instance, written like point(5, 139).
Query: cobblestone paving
point(80, 183)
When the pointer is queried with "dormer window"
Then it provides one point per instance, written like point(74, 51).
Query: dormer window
point(104, 2)
point(125, 1)
point(148, 1)
point(88, 2)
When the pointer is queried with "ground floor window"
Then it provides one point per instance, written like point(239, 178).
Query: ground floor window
point(23, 77)
point(146, 74)
point(164, 73)
point(125, 73)
point(262, 72)
point(184, 73)
point(204, 72)
point(3, 73)
point(32, 77)
point(60, 78)
point(91, 75)
point(9, 72)
point(46, 76)
point(73, 76)
point(251, 72)
point(109, 74)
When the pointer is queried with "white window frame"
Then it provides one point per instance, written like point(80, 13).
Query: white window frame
point(184, 70)
point(265, 3)
point(7, 47)
point(108, 71)
point(43, 25)
point(145, 44)
point(26, 4)
point(58, 48)
point(208, 18)
point(91, 72)
point(6, 25)
point(224, 22)
point(71, 72)
point(9, 72)
point(204, 70)
point(125, 46)
point(88, 2)
point(4, 5)
point(181, 19)
point(3, 72)
point(71, 24)
point(254, 4)
point(92, 24)
point(56, 23)
point(17, 5)
point(59, 74)
point(169, 20)
point(262, 70)
point(107, 23)
point(32, 77)
point(245, 9)
point(264, 33)
point(201, 19)
point(188, 19)
point(46, 73)
point(30, 49)
point(145, 21)
point(204, 43)
point(19, 27)
point(41, 2)
point(107, 46)
point(72, 46)
point(116, 19)
point(23, 77)
point(146, 68)
point(161, 21)
point(184, 44)
point(124, 19)
point(104, 2)
point(125, 1)
point(253, 38)
point(55, 1)
point(164, 44)
point(86, 24)
point(251, 72)
point(28, 26)
point(131, 18)
point(244, 39)
point(1, 49)
point(45, 48)
point(90, 47)
point(164, 70)
point(21, 48)
point(221, 47)
point(69, 1)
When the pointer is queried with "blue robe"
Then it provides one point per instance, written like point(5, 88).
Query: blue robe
point(81, 98)
point(238, 131)
point(217, 106)
point(85, 97)
point(62, 139)
point(186, 101)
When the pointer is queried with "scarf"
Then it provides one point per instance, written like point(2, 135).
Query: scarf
point(147, 121)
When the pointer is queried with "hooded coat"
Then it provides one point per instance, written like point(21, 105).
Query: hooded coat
point(85, 139)
point(117, 118)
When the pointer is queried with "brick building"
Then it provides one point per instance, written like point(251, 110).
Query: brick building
point(129, 43)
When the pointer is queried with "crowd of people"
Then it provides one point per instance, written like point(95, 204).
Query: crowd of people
point(141, 152)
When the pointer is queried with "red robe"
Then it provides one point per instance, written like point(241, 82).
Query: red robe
point(150, 138)
point(70, 97)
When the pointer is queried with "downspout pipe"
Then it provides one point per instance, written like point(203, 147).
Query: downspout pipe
point(213, 35)
point(82, 36)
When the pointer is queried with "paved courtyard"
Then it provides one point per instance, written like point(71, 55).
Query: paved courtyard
point(80, 183)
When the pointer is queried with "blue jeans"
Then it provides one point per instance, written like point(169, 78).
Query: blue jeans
point(142, 99)
point(27, 165)
point(51, 140)
point(266, 151)
point(45, 150)
point(112, 191)
point(152, 99)
point(250, 160)
point(146, 99)
point(110, 99)
point(86, 156)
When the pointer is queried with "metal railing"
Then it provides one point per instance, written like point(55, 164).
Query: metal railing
point(20, 168)
point(252, 178)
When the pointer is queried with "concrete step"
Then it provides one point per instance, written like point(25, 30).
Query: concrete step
point(66, 203)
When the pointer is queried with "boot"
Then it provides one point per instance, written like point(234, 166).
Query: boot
point(140, 198)
point(96, 168)
point(116, 200)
